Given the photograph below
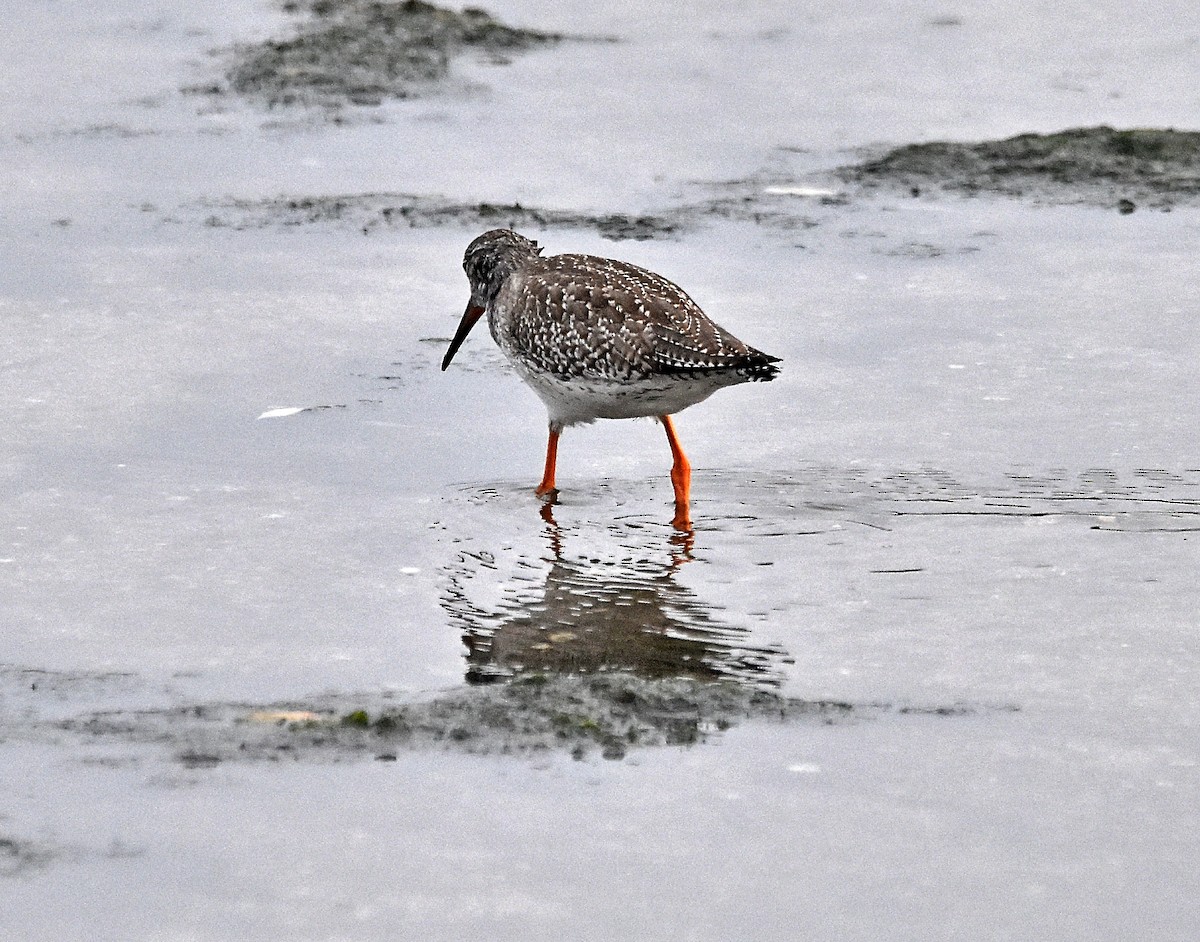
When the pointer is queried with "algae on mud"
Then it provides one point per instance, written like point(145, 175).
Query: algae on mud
point(579, 714)
point(612, 712)
point(1097, 165)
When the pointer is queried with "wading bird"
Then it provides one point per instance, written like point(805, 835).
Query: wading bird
point(601, 339)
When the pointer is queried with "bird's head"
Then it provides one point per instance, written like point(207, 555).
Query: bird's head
point(488, 262)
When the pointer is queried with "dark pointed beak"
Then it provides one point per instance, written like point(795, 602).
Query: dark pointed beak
point(470, 316)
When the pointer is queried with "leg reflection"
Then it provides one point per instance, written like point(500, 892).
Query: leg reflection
point(613, 608)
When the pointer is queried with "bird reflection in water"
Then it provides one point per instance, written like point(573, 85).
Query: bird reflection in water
point(589, 615)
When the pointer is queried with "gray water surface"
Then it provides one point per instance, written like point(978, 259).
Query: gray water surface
point(968, 509)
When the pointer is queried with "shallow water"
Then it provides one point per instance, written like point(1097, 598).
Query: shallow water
point(973, 493)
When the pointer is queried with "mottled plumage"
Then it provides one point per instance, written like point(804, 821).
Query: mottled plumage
point(598, 338)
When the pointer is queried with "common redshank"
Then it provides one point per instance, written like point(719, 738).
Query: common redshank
point(601, 339)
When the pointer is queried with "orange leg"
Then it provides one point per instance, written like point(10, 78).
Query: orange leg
point(547, 485)
point(681, 478)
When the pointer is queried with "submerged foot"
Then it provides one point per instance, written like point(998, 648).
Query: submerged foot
point(682, 521)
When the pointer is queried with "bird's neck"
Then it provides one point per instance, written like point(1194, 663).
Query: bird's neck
point(506, 263)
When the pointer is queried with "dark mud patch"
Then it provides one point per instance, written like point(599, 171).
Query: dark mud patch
point(363, 52)
point(1158, 168)
point(109, 131)
point(381, 211)
point(19, 857)
point(1123, 170)
point(606, 714)
point(773, 207)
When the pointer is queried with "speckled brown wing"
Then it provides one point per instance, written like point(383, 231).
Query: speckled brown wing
point(598, 318)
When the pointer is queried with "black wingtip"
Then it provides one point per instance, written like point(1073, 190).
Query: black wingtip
point(762, 368)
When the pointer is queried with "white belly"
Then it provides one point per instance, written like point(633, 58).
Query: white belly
point(574, 401)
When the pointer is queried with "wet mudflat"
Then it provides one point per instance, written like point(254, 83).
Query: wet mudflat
point(290, 648)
